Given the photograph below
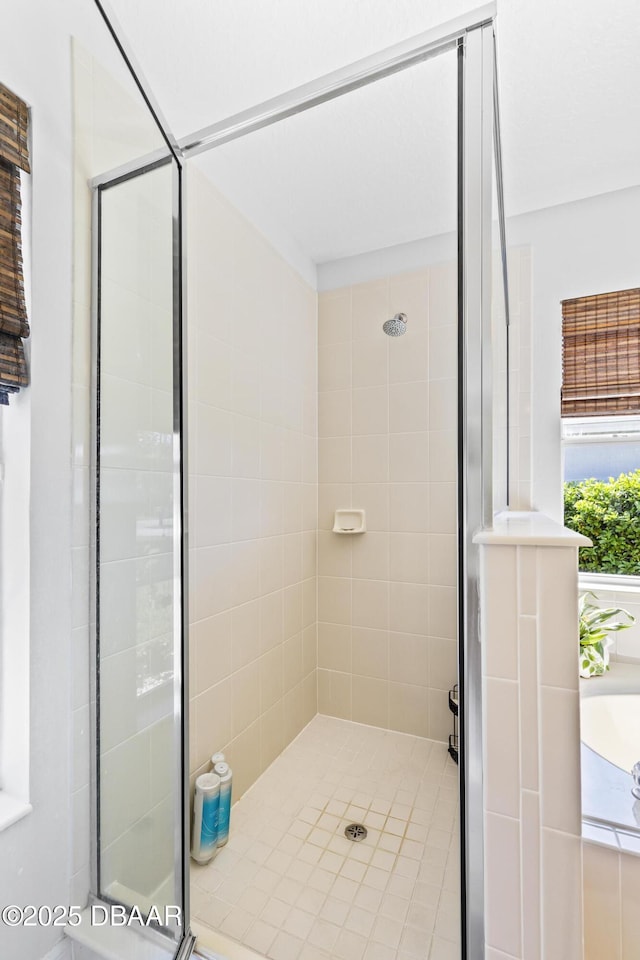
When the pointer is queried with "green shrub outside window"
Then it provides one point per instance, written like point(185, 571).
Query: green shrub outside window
point(608, 512)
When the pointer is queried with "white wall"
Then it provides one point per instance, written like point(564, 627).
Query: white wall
point(34, 853)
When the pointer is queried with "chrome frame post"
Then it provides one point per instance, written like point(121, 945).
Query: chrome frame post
point(382, 64)
point(181, 542)
point(475, 507)
point(94, 545)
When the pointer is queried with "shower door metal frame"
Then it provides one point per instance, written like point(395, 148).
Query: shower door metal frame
point(186, 942)
point(180, 936)
point(472, 36)
point(476, 55)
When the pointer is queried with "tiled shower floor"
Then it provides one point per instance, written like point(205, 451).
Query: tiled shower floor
point(290, 886)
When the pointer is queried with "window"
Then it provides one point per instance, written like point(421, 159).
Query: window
point(601, 428)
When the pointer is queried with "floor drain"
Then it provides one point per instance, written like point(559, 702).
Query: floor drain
point(355, 832)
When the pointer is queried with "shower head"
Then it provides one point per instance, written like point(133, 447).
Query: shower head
point(396, 326)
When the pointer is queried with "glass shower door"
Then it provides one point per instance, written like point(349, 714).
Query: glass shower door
point(139, 576)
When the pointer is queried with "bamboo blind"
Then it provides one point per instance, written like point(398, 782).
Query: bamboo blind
point(14, 325)
point(601, 354)
point(13, 311)
point(14, 129)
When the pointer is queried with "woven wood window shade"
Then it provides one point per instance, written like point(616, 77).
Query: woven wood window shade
point(14, 325)
point(14, 129)
point(601, 355)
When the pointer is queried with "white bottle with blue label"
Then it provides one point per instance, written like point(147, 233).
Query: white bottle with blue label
point(206, 810)
point(224, 772)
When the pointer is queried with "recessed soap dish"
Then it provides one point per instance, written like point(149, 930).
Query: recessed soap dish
point(349, 521)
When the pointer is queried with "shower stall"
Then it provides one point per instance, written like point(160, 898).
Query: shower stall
point(319, 368)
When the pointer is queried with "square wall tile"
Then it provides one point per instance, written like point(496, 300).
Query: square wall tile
point(370, 650)
point(334, 647)
point(371, 458)
point(443, 352)
point(334, 413)
point(334, 367)
point(409, 658)
point(334, 460)
point(369, 305)
point(409, 356)
point(443, 612)
point(334, 599)
point(443, 663)
point(409, 709)
point(334, 317)
point(370, 362)
point(370, 406)
point(371, 604)
point(334, 554)
point(443, 508)
point(370, 701)
point(334, 694)
point(409, 457)
point(408, 608)
point(443, 404)
point(409, 505)
point(373, 498)
point(370, 556)
point(409, 407)
point(409, 293)
point(443, 456)
point(443, 559)
point(408, 557)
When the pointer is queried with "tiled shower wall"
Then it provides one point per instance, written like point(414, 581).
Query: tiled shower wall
point(253, 496)
point(387, 443)
point(531, 753)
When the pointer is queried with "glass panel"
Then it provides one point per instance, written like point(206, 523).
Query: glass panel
point(309, 244)
point(138, 575)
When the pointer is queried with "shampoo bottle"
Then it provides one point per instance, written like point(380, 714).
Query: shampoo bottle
point(206, 809)
point(224, 772)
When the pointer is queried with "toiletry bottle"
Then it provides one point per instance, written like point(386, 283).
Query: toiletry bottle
point(206, 810)
point(216, 758)
point(223, 770)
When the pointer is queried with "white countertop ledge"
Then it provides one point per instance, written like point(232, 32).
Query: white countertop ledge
point(531, 529)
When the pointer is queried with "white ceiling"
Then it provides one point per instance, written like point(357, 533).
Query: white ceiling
point(376, 168)
point(368, 170)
